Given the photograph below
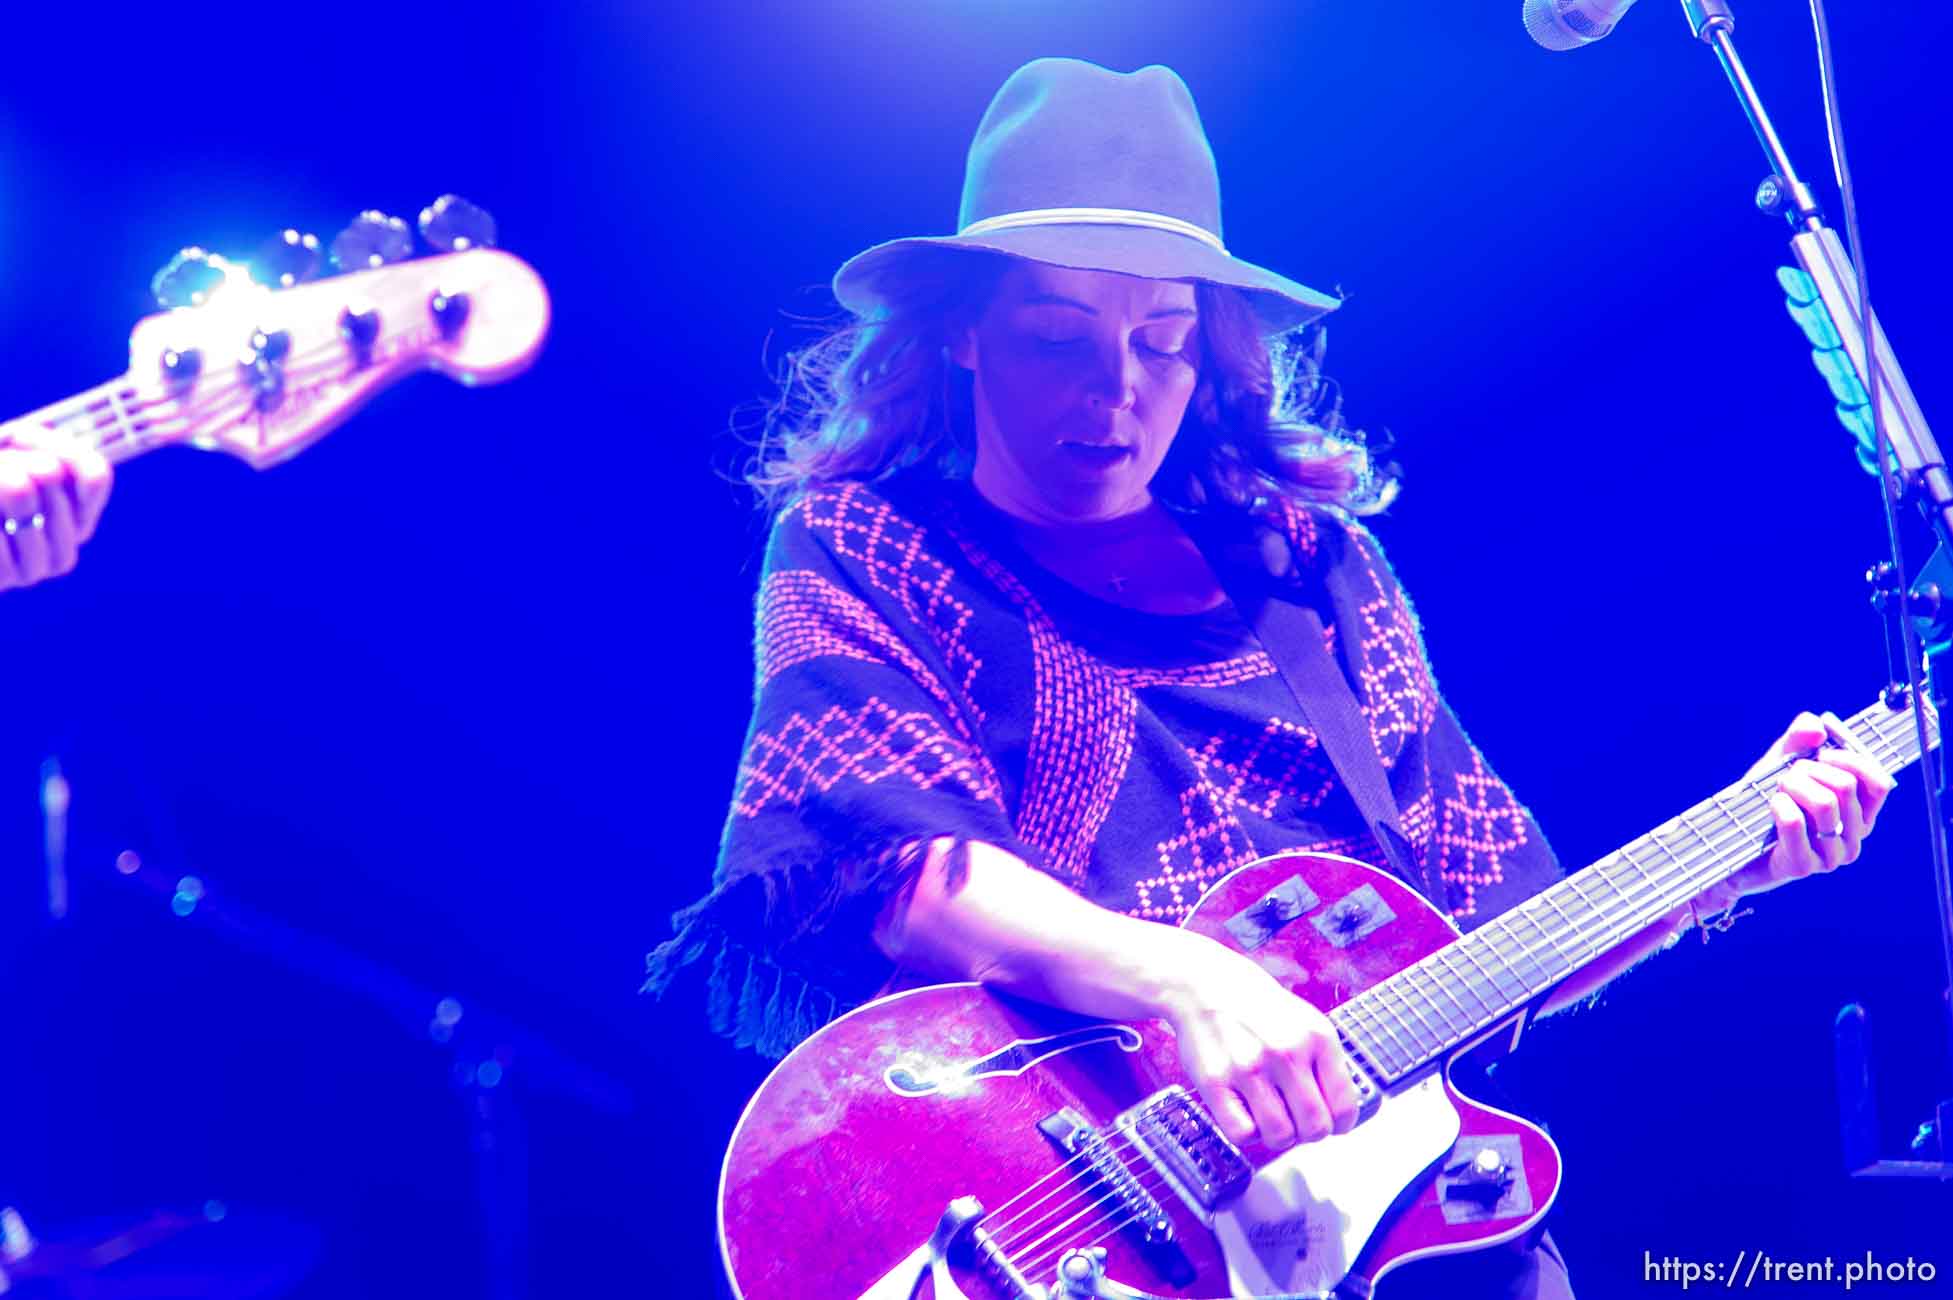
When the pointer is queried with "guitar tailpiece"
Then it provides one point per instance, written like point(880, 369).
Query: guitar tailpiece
point(1081, 1276)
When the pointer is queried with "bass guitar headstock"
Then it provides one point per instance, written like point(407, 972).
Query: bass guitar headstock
point(242, 365)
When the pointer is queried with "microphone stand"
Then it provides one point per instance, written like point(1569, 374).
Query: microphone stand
point(1895, 445)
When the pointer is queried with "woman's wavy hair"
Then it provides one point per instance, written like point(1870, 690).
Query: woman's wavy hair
point(878, 395)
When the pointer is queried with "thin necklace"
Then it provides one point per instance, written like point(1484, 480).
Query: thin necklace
point(1079, 540)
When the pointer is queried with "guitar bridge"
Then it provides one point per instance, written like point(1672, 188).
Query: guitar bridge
point(1144, 1218)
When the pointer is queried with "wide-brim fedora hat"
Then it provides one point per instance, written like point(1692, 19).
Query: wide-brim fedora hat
point(1079, 166)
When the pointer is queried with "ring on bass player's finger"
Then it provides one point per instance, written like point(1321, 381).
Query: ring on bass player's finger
point(1828, 835)
point(35, 520)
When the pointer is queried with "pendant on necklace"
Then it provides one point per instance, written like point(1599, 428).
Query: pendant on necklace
point(1116, 583)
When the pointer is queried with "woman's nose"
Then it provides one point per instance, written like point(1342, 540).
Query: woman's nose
point(1114, 377)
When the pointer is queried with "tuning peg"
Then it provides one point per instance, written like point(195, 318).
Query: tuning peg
point(374, 239)
point(188, 279)
point(287, 258)
point(454, 225)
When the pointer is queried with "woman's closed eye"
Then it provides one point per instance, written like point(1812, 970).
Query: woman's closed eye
point(1139, 345)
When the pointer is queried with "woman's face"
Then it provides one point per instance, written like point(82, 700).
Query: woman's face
point(1082, 378)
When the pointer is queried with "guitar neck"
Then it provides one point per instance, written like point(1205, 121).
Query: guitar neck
point(116, 418)
point(1432, 1007)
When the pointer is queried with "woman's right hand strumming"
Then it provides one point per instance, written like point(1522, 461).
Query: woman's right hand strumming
point(51, 497)
point(1268, 1064)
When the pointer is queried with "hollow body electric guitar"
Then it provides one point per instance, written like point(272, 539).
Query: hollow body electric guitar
point(263, 374)
point(949, 1141)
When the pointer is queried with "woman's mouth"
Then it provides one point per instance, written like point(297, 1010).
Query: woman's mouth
point(1098, 455)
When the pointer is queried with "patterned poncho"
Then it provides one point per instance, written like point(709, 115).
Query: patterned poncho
point(919, 675)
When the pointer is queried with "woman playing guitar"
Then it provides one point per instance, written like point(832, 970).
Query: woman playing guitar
point(1011, 720)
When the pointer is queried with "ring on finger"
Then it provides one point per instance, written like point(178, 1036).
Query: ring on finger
point(1828, 835)
point(35, 520)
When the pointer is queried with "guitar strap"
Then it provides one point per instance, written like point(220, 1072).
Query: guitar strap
point(1292, 634)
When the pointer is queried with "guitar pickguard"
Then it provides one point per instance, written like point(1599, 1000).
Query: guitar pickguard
point(1305, 1217)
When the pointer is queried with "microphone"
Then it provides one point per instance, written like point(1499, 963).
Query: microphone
point(1569, 24)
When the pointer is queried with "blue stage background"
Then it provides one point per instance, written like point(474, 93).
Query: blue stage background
point(451, 704)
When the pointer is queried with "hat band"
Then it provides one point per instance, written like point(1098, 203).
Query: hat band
point(1093, 217)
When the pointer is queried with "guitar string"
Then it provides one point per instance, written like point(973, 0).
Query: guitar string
point(1082, 1159)
point(1144, 1176)
point(1144, 1173)
point(1015, 1223)
point(1025, 1248)
point(1647, 896)
point(1079, 1161)
point(1110, 1224)
point(1117, 1144)
point(1095, 1228)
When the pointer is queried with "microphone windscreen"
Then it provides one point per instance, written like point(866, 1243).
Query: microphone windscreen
point(1559, 25)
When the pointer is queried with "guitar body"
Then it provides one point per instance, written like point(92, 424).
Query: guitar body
point(1050, 1133)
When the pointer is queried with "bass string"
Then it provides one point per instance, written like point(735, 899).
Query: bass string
point(219, 403)
point(325, 353)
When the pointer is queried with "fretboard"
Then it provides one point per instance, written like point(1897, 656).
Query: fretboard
point(1431, 1007)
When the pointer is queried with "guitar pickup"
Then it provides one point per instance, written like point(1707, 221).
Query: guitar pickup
point(1178, 1133)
